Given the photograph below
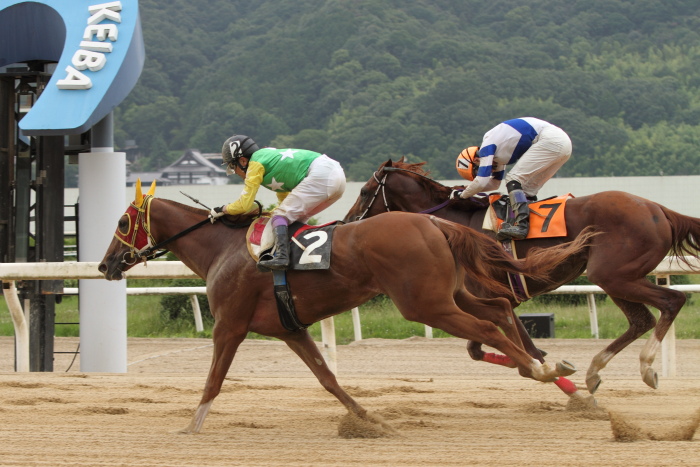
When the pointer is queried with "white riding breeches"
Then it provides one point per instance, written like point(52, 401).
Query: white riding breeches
point(539, 163)
point(323, 186)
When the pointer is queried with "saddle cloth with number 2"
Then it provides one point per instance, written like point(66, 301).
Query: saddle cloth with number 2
point(310, 246)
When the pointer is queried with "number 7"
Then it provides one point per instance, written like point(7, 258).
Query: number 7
point(552, 209)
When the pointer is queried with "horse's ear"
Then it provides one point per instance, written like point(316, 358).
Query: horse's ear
point(389, 163)
point(402, 160)
point(152, 190)
point(138, 199)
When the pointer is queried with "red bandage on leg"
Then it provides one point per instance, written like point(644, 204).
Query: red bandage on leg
point(498, 360)
point(566, 385)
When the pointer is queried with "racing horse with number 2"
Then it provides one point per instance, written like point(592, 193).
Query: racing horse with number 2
point(636, 235)
point(418, 261)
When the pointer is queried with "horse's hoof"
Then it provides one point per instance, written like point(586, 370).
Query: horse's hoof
point(584, 400)
point(651, 378)
point(474, 350)
point(565, 368)
point(593, 382)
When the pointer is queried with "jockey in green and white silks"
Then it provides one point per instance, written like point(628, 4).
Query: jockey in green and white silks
point(306, 183)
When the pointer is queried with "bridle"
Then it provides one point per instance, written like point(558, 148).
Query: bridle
point(381, 186)
point(138, 235)
point(142, 245)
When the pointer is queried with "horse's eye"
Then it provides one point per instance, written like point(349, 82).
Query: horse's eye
point(123, 225)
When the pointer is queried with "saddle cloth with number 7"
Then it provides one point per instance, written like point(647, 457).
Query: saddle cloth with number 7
point(546, 216)
point(310, 246)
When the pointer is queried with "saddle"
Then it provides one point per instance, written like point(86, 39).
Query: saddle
point(546, 216)
point(310, 245)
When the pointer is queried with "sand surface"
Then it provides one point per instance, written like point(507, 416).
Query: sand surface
point(445, 409)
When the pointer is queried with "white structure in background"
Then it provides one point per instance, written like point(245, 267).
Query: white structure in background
point(192, 168)
point(674, 192)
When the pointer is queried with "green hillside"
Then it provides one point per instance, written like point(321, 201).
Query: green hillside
point(365, 80)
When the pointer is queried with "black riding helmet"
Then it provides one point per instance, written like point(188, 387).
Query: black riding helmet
point(234, 148)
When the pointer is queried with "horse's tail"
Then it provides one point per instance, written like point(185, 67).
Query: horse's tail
point(686, 236)
point(483, 258)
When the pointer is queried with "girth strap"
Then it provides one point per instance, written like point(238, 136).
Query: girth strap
point(516, 281)
point(285, 303)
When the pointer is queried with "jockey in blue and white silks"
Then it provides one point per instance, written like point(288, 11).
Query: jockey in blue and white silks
point(536, 147)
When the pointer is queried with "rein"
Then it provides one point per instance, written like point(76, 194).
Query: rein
point(382, 187)
point(151, 251)
point(143, 218)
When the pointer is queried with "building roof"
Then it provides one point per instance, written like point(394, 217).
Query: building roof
point(193, 161)
point(146, 178)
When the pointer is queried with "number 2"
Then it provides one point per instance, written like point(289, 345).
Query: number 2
point(306, 257)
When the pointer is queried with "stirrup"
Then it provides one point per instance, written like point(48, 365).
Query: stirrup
point(277, 263)
point(508, 231)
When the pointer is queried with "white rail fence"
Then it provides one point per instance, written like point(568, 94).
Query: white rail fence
point(11, 272)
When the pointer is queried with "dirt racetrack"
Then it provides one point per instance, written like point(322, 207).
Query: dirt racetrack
point(445, 409)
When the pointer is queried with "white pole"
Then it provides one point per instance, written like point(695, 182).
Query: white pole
point(102, 187)
point(329, 347)
point(668, 353)
point(593, 312)
point(668, 345)
point(356, 326)
point(197, 313)
point(21, 327)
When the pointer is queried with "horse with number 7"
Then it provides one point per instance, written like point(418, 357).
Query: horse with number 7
point(635, 236)
point(419, 261)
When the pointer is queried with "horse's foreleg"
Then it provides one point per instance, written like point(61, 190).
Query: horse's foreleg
point(225, 345)
point(303, 345)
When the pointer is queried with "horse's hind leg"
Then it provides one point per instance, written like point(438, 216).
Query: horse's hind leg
point(641, 320)
point(303, 345)
point(672, 303)
point(495, 311)
point(451, 319)
point(514, 329)
point(226, 343)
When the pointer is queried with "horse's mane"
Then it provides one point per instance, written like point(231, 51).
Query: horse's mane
point(436, 190)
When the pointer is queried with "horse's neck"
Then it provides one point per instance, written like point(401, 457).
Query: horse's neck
point(195, 249)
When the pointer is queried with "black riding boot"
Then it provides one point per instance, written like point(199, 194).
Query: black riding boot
point(519, 228)
point(280, 260)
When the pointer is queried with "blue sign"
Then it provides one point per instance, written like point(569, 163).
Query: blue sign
point(100, 54)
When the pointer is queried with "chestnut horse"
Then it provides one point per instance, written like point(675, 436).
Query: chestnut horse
point(636, 235)
point(419, 261)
